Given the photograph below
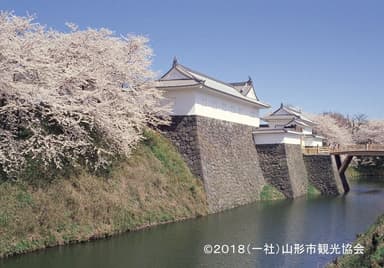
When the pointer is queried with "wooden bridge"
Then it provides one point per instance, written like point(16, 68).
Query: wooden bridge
point(349, 151)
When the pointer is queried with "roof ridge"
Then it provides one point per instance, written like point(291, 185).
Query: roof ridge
point(215, 84)
point(186, 73)
point(242, 82)
point(248, 82)
point(207, 76)
point(292, 108)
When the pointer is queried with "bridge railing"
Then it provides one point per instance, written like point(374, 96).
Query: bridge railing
point(316, 150)
point(357, 148)
point(343, 148)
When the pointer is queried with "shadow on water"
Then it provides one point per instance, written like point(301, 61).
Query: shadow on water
point(373, 191)
point(303, 221)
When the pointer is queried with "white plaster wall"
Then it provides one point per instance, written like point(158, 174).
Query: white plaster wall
point(276, 138)
point(208, 104)
point(181, 101)
point(278, 123)
point(251, 94)
point(292, 139)
point(314, 142)
point(226, 108)
point(307, 130)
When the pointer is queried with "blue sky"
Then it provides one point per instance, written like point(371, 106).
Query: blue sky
point(321, 56)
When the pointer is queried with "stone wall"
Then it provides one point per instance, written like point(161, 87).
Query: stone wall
point(223, 155)
point(283, 167)
point(323, 174)
point(273, 163)
point(230, 165)
point(234, 170)
point(297, 171)
point(183, 133)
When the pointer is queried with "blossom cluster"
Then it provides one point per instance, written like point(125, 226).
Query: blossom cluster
point(72, 97)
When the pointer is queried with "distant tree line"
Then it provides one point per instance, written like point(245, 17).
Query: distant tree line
point(357, 129)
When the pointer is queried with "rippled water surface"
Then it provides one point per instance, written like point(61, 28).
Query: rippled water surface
point(300, 221)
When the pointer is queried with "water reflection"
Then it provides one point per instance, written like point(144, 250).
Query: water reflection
point(318, 220)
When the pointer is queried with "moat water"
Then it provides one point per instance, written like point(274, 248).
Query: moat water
point(319, 220)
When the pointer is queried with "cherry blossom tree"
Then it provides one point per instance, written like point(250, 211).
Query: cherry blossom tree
point(360, 130)
point(371, 132)
point(358, 120)
point(70, 98)
point(329, 127)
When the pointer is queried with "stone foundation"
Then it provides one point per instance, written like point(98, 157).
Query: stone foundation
point(234, 170)
point(323, 174)
point(223, 155)
point(283, 167)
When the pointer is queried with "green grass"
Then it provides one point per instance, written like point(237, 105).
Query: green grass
point(373, 242)
point(269, 192)
point(153, 186)
point(312, 191)
point(170, 159)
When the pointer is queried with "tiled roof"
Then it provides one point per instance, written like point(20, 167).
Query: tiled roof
point(290, 111)
point(179, 74)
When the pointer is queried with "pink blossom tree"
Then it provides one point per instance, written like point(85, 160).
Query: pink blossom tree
point(70, 98)
point(371, 132)
point(330, 128)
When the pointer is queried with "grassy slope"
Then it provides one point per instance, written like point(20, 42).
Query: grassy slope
point(152, 187)
point(373, 242)
point(373, 239)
